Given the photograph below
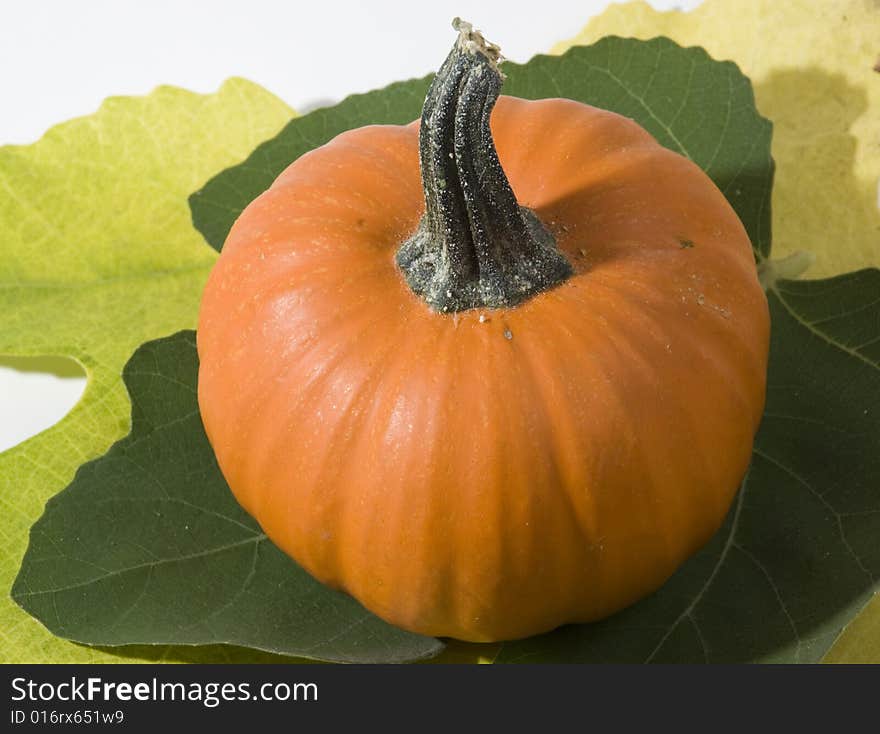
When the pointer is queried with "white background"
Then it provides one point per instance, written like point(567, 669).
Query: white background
point(59, 59)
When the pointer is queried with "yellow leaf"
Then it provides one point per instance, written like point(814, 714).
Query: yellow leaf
point(97, 255)
point(811, 64)
point(860, 641)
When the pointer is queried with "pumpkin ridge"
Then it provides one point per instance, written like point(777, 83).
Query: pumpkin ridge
point(575, 495)
point(331, 471)
point(362, 530)
point(250, 402)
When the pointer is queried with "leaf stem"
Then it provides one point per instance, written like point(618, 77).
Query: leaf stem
point(789, 268)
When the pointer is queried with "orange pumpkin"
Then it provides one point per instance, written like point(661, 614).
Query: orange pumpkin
point(516, 406)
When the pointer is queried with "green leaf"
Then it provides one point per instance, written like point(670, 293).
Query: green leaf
point(798, 555)
point(148, 545)
point(701, 108)
point(97, 255)
point(860, 641)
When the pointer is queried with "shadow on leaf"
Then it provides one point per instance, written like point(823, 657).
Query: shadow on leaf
point(820, 204)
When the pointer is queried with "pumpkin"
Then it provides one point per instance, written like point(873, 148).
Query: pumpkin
point(490, 372)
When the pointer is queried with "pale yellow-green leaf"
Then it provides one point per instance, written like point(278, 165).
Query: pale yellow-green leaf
point(97, 255)
point(860, 640)
point(811, 64)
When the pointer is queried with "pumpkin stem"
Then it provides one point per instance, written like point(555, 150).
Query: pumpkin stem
point(475, 246)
